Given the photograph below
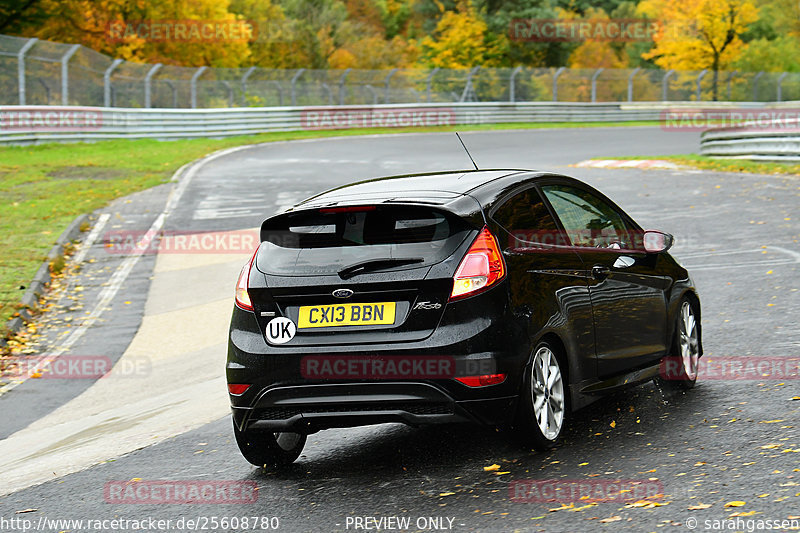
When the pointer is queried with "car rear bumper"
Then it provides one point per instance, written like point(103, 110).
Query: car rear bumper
point(310, 408)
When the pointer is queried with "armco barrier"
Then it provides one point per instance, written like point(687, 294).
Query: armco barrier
point(39, 124)
point(42, 124)
point(764, 144)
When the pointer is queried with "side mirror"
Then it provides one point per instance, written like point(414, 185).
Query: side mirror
point(656, 242)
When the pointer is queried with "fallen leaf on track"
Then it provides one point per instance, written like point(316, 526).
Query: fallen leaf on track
point(735, 503)
point(491, 468)
point(645, 504)
point(615, 518)
point(699, 506)
point(562, 508)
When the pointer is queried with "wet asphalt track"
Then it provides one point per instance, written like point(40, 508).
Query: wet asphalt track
point(738, 234)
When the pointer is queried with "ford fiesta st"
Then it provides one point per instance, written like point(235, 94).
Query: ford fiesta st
point(503, 297)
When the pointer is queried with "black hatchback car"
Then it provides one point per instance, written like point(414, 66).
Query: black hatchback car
point(504, 297)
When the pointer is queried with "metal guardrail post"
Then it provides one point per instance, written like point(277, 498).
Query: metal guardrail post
point(700, 79)
point(374, 93)
point(21, 67)
point(386, 85)
point(46, 90)
point(174, 93)
point(65, 73)
point(230, 92)
point(665, 84)
point(147, 88)
point(730, 77)
point(294, 81)
point(107, 82)
point(630, 83)
point(512, 89)
point(780, 86)
point(755, 85)
point(193, 85)
point(329, 91)
point(280, 90)
point(594, 83)
point(244, 84)
point(342, 80)
point(555, 82)
point(468, 90)
point(428, 84)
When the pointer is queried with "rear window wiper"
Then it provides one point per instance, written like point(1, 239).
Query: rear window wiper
point(376, 264)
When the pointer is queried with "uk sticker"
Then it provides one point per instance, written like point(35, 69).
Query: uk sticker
point(280, 330)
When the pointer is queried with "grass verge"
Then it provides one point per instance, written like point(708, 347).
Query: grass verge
point(44, 187)
point(724, 165)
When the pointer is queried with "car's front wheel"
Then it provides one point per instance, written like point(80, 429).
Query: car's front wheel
point(543, 410)
point(267, 449)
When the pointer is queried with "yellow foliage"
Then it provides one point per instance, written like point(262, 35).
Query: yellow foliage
point(698, 34)
point(595, 54)
point(460, 40)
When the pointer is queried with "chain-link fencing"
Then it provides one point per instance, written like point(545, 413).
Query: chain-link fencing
point(37, 72)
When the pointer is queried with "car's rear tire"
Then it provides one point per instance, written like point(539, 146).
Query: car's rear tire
point(269, 450)
point(543, 406)
point(679, 369)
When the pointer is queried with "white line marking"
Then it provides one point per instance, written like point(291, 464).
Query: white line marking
point(91, 238)
point(791, 253)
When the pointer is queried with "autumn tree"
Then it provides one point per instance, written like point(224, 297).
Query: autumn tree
point(698, 34)
point(114, 27)
point(461, 40)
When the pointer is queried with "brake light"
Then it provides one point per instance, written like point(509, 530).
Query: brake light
point(482, 381)
point(242, 296)
point(350, 209)
point(482, 267)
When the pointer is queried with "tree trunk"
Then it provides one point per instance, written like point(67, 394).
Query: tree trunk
point(715, 80)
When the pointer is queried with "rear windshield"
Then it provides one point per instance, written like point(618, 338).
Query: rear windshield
point(326, 241)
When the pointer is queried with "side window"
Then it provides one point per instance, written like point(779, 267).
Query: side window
point(527, 221)
point(587, 220)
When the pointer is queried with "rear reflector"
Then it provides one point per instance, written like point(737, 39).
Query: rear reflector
point(237, 388)
point(482, 381)
point(481, 267)
point(242, 296)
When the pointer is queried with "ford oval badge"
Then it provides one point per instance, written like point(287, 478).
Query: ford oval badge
point(342, 293)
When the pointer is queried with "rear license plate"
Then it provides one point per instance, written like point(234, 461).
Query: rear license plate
point(365, 314)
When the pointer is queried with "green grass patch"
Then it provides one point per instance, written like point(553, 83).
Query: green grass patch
point(724, 164)
point(44, 187)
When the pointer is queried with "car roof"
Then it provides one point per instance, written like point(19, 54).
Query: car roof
point(432, 188)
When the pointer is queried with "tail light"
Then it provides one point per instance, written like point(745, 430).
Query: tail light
point(242, 296)
point(481, 267)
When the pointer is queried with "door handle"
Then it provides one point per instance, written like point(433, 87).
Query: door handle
point(600, 271)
